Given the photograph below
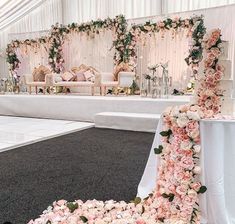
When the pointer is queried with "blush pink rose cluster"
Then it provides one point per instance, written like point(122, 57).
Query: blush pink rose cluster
point(178, 185)
point(209, 93)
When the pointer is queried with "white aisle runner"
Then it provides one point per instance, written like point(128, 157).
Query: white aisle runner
point(217, 161)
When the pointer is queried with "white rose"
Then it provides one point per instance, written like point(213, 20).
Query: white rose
point(193, 115)
point(194, 134)
point(182, 121)
point(175, 111)
point(100, 222)
point(197, 170)
point(197, 148)
point(186, 145)
point(73, 220)
point(192, 193)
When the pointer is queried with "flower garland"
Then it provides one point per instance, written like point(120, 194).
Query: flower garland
point(58, 33)
point(209, 92)
point(196, 30)
point(175, 199)
point(56, 40)
point(12, 59)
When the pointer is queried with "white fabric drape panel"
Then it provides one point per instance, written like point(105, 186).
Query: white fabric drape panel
point(41, 18)
point(217, 161)
point(12, 10)
point(94, 51)
point(33, 58)
point(82, 11)
point(161, 50)
point(170, 6)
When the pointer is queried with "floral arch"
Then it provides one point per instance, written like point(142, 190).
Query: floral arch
point(54, 42)
point(195, 30)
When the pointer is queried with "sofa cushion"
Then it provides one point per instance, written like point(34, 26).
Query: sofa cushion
point(89, 76)
point(67, 76)
point(80, 77)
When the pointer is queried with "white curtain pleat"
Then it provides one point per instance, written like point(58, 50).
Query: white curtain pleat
point(161, 50)
point(171, 6)
point(93, 51)
point(82, 11)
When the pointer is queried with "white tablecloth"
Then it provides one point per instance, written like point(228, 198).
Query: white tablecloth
point(218, 163)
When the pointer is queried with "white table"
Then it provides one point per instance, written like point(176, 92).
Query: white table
point(218, 162)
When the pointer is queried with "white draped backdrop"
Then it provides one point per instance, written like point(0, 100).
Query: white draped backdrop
point(49, 12)
point(89, 50)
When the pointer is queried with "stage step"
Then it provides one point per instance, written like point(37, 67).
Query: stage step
point(127, 121)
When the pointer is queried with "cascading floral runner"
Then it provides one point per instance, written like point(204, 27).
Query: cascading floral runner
point(175, 199)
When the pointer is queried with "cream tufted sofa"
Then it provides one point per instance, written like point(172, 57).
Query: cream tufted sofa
point(54, 80)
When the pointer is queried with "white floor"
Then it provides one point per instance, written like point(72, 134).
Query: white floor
point(19, 131)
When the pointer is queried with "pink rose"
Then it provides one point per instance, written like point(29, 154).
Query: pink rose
point(220, 68)
point(187, 162)
point(196, 186)
point(140, 222)
point(211, 56)
point(210, 71)
point(208, 62)
point(61, 202)
point(192, 125)
point(182, 190)
point(215, 51)
point(218, 75)
point(208, 113)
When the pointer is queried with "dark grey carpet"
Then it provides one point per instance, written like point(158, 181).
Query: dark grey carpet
point(94, 163)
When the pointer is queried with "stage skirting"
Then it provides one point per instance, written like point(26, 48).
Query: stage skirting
point(81, 108)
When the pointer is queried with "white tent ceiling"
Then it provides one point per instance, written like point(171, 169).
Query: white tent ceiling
point(13, 10)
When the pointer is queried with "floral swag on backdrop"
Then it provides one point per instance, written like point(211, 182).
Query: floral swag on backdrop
point(58, 33)
point(194, 25)
point(12, 59)
point(175, 199)
point(54, 42)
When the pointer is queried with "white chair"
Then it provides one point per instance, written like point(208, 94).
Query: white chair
point(29, 82)
point(125, 80)
point(107, 80)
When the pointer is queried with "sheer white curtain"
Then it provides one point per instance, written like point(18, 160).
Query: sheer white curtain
point(158, 49)
point(170, 6)
point(85, 10)
point(89, 50)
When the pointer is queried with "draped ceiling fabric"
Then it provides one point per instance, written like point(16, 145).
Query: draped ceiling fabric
point(23, 16)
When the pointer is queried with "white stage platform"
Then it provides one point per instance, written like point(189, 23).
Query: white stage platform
point(84, 108)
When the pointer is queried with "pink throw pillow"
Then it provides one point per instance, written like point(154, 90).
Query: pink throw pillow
point(67, 76)
point(89, 76)
point(80, 77)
